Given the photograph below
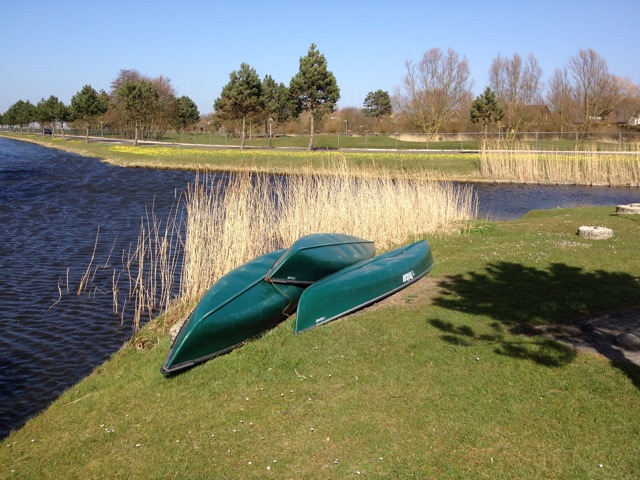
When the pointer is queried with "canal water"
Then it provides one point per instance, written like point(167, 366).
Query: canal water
point(54, 204)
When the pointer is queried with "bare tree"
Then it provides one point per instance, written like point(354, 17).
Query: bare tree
point(162, 121)
point(629, 106)
point(595, 92)
point(433, 89)
point(518, 86)
point(560, 98)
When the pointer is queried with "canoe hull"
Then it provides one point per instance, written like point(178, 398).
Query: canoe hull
point(316, 256)
point(362, 284)
point(239, 306)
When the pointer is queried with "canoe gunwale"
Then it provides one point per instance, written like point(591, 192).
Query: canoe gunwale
point(192, 363)
point(294, 249)
point(284, 281)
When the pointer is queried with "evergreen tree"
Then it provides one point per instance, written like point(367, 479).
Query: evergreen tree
point(277, 101)
point(20, 113)
point(314, 87)
point(377, 104)
point(140, 101)
point(87, 105)
point(240, 98)
point(45, 111)
point(486, 109)
point(186, 113)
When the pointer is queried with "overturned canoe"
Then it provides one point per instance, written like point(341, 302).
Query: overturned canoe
point(239, 306)
point(258, 295)
point(362, 284)
point(316, 256)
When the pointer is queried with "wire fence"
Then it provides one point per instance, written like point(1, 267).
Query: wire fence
point(470, 141)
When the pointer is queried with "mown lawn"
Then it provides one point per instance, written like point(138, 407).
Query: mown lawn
point(451, 165)
point(443, 380)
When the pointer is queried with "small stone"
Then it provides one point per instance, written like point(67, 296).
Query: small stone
point(629, 341)
point(595, 233)
point(631, 208)
point(173, 331)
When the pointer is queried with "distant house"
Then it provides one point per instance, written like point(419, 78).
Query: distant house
point(634, 120)
point(537, 113)
point(624, 116)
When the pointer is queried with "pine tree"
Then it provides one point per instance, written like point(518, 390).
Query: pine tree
point(241, 97)
point(486, 109)
point(315, 87)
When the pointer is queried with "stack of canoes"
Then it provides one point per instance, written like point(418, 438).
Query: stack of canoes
point(324, 276)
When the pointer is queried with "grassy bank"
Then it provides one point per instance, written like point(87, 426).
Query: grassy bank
point(440, 381)
point(449, 165)
point(499, 162)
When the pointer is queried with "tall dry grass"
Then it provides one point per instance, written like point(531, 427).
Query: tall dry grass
point(591, 167)
point(226, 221)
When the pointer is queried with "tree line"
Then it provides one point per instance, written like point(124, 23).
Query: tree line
point(435, 93)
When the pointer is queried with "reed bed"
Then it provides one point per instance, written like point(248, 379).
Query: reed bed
point(589, 167)
point(226, 220)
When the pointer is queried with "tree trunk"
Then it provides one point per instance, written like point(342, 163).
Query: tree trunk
point(311, 133)
point(86, 138)
point(135, 134)
point(242, 135)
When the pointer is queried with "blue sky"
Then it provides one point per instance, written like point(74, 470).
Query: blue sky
point(54, 47)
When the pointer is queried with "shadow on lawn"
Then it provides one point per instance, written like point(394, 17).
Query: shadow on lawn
point(519, 298)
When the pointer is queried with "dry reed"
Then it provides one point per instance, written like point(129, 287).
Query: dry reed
point(590, 167)
point(226, 220)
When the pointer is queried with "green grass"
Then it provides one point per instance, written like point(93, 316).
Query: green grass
point(440, 381)
point(321, 141)
point(445, 141)
point(453, 165)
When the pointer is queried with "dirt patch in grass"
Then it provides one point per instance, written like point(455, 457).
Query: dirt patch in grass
point(417, 294)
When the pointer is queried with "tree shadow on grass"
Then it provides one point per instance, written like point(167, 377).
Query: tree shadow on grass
point(520, 299)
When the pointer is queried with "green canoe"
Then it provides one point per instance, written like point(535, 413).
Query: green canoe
point(316, 256)
point(239, 306)
point(362, 284)
point(247, 301)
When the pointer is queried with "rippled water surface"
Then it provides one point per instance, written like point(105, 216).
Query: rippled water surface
point(52, 205)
